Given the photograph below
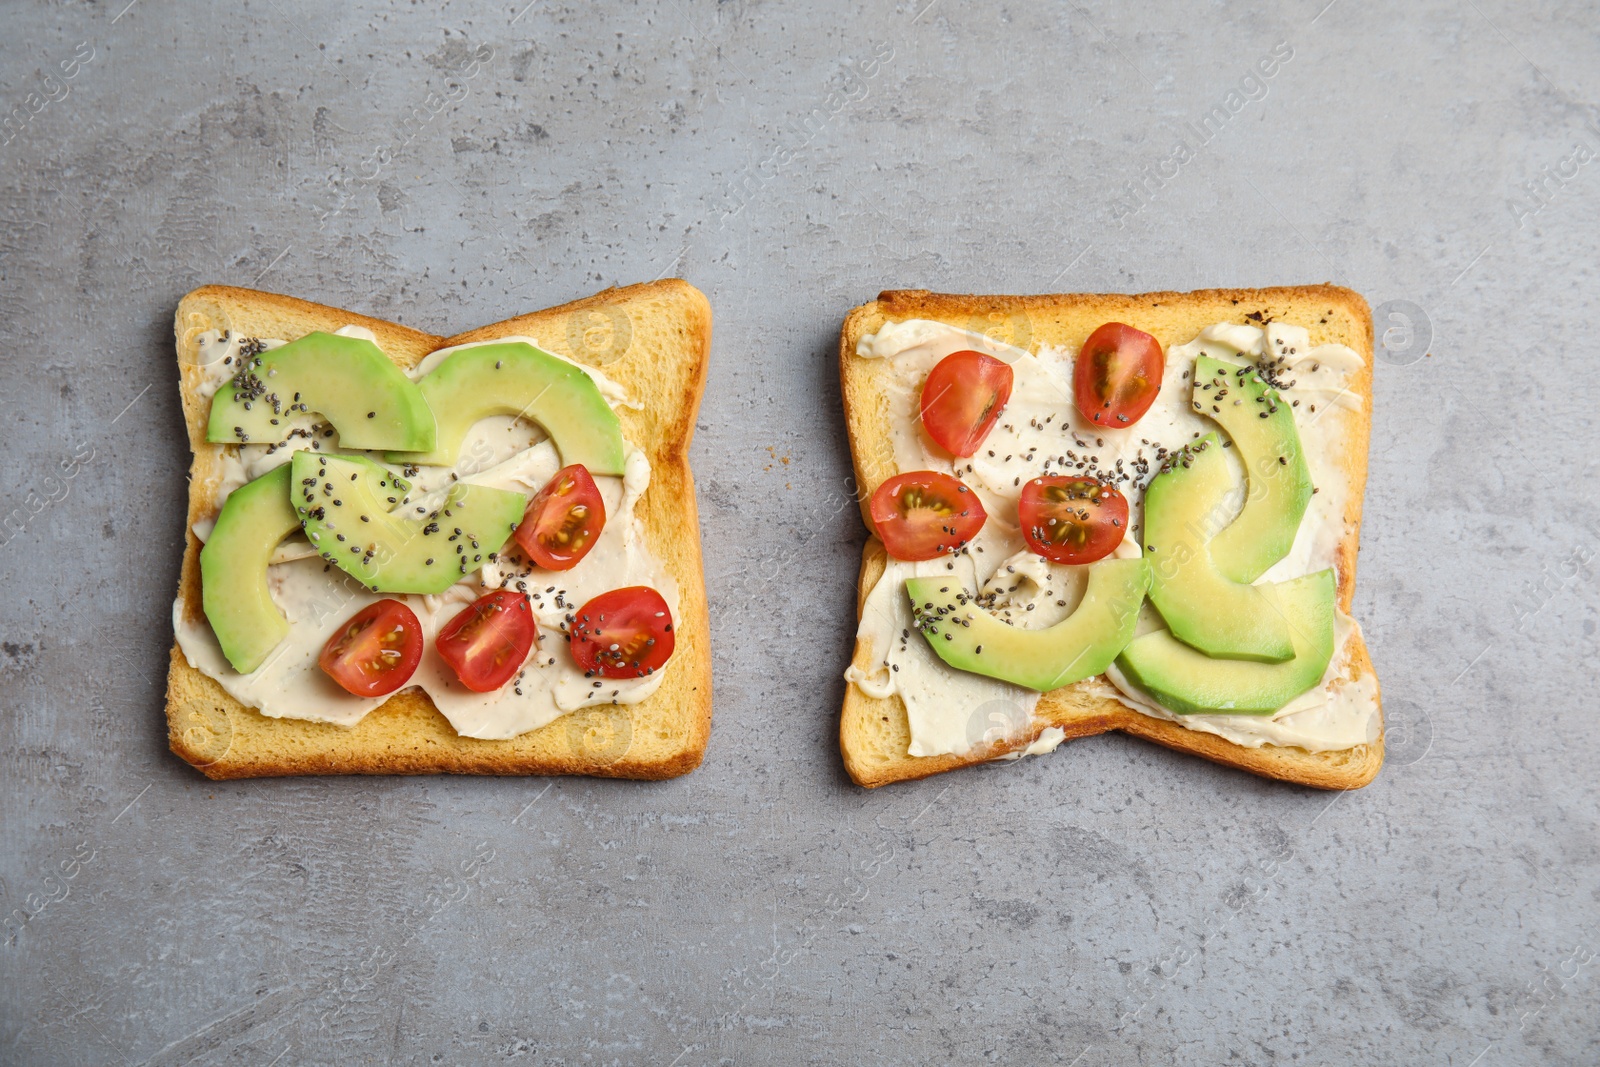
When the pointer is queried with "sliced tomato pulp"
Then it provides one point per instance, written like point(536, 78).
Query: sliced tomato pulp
point(925, 514)
point(963, 398)
point(376, 651)
point(626, 633)
point(488, 642)
point(1117, 375)
point(563, 520)
point(1072, 520)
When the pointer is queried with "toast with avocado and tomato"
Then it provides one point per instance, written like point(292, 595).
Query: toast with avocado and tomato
point(1106, 512)
point(412, 554)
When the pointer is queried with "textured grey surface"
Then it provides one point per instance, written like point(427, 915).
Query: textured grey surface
point(1109, 904)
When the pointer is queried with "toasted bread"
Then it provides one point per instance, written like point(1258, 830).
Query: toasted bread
point(874, 733)
point(657, 348)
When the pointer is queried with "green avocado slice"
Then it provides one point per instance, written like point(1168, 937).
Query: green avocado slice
point(254, 519)
point(392, 488)
point(346, 380)
point(1189, 682)
point(1080, 646)
point(233, 569)
point(1278, 481)
point(515, 378)
point(1184, 508)
point(341, 504)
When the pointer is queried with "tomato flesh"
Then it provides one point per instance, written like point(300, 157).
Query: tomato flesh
point(563, 520)
point(376, 651)
point(925, 514)
point(1072, 520)
point(488, 642)
point(626, 633)
point(962, 399)
point(1117, 375)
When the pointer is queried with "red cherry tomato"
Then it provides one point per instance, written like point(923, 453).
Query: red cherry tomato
point(626, 633)
point(376, 652)
point(488, 642)
point(1117, 375)
point(1072, 520)
point(925, 514)
point(962, 399)
point(563, 520)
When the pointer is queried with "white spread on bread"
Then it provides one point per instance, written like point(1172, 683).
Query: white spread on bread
point(502, 452)
point(1041, 432)
point(1047, 742)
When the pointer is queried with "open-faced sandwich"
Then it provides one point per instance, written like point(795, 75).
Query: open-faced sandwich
point(412, 554)
point(1095, 513)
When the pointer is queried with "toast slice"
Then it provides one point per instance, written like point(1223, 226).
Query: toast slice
point(874, 733)
point(652, 339)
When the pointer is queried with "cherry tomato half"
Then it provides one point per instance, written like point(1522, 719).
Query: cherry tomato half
point(626, 633)
point(488, 642)
point(925, 514)
point(563, 520)
point(963, 398)
point(1072, 520)
point(376, 652)
point(1117, 375)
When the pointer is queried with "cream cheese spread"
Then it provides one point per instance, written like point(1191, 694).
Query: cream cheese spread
point(502, 452)
point(1040, 432)
point(1048, 741)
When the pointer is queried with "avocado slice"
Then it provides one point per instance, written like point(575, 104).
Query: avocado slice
point(1183, 511)
point(1189, 682)
point(1261, 424)
point(515, 378)
point(254, 519)
point(346, 380)
point(1080, 646)
point(343, 506)
point(233, 569)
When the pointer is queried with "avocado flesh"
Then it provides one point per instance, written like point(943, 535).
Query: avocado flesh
point(346, 380)
point(342, 505)
point(1080, 646)
point(1183, 509)
point(233, 569)
point(393, 488)
point(1261, 425)
point(515, 378)
point(1188, 682)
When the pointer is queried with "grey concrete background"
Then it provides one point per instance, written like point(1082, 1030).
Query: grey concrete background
point(1109, 904)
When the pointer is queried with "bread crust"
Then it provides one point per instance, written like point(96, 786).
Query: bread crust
point(874, 732)
point(662, 363)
